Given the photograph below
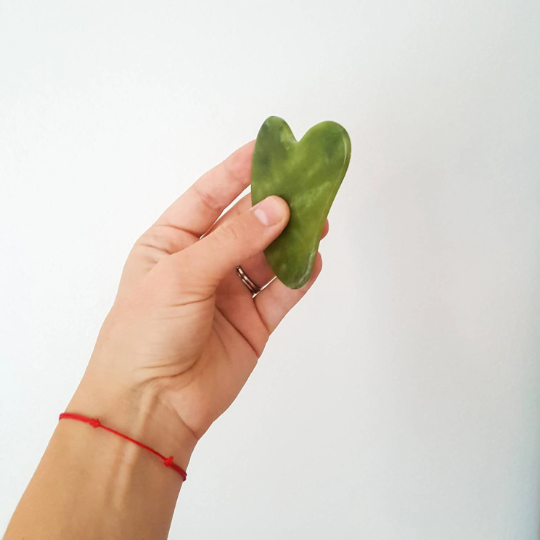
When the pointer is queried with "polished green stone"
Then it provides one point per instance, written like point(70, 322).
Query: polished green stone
point(307, 174)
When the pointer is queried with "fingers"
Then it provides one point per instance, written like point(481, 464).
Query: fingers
point(245, 204)
point(236, 240)
point(239, 208)
point(274, 302)
point(257, 267)
point(326, 229)
point(201, 205)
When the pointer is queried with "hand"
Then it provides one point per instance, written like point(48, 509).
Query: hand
point(184, 329)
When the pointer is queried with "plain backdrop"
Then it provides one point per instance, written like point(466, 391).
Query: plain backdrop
point(401, 400)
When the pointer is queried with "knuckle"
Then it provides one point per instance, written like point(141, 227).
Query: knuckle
point(209, 199)
point(238, 168)
point(161, 240)
point(230, 231)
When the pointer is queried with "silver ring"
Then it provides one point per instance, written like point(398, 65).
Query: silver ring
point(251, 287)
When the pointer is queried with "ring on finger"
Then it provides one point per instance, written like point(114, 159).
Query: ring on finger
point(246, 280)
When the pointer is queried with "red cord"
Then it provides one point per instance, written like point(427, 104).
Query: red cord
point(95, 423)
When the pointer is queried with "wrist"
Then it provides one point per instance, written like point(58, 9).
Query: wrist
point(138, 413)
point(88, 472)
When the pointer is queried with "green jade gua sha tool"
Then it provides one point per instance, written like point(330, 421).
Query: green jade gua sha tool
point(307, 174)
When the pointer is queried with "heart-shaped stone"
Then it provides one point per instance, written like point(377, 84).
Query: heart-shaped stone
point(307, 174)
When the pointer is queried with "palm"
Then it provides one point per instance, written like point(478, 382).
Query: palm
point(235, 318)
point(228, 356)
point(225, 331)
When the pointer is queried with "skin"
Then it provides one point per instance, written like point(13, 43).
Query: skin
point(179, 343)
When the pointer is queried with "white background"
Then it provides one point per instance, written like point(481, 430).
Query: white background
point(401, 400)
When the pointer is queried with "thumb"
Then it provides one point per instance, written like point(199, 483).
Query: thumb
point(237, 239)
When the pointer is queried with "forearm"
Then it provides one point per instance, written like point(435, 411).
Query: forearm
point(92, 484)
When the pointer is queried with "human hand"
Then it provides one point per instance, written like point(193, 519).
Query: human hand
point(184, 332)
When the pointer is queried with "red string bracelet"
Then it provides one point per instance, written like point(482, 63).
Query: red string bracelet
point(95, 423)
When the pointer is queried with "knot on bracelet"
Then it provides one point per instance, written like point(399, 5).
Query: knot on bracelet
point(95, 423)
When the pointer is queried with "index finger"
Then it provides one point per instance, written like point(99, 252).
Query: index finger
point(202, 204)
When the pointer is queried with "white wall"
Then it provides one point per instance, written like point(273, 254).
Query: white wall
point(402, 399)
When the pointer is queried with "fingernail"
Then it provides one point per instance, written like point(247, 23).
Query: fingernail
point(269, 211)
